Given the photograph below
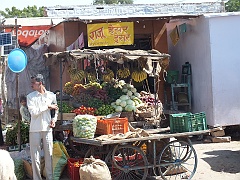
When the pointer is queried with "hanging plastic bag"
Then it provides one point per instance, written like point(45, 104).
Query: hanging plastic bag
point(94, 169)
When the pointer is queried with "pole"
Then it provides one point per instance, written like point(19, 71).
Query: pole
point(17, 96)
point(61, 86)
point(1, 135)
point(19, 121)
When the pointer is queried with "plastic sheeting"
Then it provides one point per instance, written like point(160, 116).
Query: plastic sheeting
point(36, 64)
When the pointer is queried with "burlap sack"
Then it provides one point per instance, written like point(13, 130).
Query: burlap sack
point(94, 169)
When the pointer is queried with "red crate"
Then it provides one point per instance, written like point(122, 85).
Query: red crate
point(112, 126)
point(73, 168)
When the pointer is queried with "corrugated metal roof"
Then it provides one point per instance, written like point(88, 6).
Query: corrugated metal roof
point(135, 10)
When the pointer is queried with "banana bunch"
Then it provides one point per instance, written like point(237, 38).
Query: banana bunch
point(123, 73)
point(108, 76)
point(91, 77)
point(139, 76)
point(76, 75)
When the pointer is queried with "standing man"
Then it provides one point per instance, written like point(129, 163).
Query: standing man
point(39, 103)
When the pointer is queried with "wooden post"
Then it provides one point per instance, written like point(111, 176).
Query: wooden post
point(17, 95)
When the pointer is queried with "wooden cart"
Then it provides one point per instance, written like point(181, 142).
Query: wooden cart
point(132, 159)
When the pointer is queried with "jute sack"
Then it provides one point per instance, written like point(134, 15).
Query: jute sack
point(94, 169)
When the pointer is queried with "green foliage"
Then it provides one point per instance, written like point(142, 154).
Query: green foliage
point(30, 11)
point(232, 6)
point(66, 108)
point(113, 2)
point(95, 103)
point(11, 135)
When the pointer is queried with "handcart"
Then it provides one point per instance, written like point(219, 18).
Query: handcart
point(129, 159)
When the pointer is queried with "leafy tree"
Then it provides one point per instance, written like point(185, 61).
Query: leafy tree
point(113, 2)
point(232, 6)
point(30, 11)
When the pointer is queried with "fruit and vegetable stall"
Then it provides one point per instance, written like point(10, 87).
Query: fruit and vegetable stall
point(109, 112)
point(112, 81)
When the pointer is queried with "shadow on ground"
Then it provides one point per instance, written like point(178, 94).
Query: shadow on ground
point(223, 160)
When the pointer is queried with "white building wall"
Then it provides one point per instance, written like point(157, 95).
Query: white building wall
point(225, 38)
point(211, 46)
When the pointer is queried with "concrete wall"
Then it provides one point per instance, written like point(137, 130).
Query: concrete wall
point(225, 38)
point(211, 46)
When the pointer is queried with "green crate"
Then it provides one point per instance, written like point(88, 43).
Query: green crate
point(200, 121)
point(180, 122)
point(187, 122)
point(172, 77)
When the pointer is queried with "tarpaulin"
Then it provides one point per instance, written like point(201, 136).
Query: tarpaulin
point(27, 35)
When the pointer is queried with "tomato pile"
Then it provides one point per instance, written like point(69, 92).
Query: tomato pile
point(84, 110)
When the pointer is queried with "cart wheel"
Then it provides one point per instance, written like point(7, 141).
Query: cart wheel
point(98, 151)
point(108, 160)
point(129, 162)
point(178, 160)
point(78, 148)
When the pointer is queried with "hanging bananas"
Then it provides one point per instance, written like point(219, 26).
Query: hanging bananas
point(91, 77)
point(123, 73)
point(108, 76)
point(139, 76)
point(76, 75)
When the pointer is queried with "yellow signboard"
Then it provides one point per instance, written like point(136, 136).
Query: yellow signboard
point(110, 34)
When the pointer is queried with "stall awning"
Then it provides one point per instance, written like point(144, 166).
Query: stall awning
point(115, 55)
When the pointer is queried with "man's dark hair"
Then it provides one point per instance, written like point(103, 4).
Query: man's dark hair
point(38, 78)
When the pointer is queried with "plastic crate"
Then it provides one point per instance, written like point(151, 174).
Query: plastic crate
point(112, 126)
point(187, 122)
point(73, 168)
point(180, 122)
point(200, 122)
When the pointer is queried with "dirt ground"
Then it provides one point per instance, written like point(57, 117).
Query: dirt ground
point(218, 161)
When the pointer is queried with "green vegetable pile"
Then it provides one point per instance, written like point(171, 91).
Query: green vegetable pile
point(66, 108)
point(113, 93)
point(84, 126)
point(95, 103)
point(19, 169)
point(11, 135)
point(105, 110)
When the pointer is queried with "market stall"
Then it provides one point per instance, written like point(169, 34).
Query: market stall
point(115, 80)
point(108, 94)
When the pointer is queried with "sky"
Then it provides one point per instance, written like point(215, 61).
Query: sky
point(20, 4)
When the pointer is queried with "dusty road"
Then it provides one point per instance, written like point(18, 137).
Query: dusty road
point(217, 161)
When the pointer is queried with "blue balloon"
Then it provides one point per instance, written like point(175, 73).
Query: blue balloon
point(17, 60)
